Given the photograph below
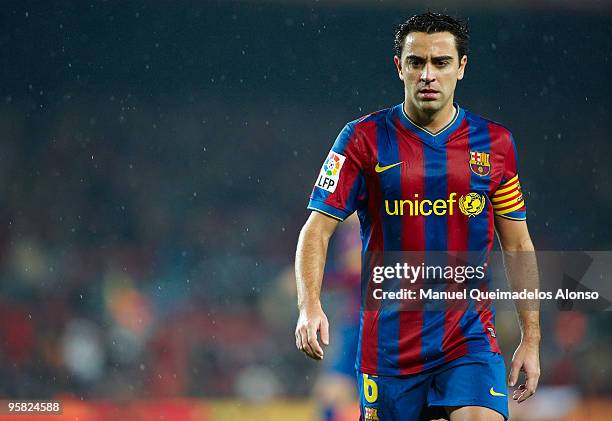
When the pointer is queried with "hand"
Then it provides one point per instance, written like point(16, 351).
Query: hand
point(526, 358)
point(310, 321)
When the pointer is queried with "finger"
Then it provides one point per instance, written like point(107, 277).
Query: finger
point(301, 339)
point(314, 343)
point(518, 392)
point(311, 352)
point(306, 346)
point(521, 393)
point(515, 368)
point(530, 387)
point(316, 349)
point(532, 381)
point(325, 332)
point(525, 395)
point(298, 340)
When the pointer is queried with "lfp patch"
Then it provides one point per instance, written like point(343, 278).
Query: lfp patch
point(330, 172)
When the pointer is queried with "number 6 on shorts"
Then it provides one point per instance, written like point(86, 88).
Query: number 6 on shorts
point(370, 389)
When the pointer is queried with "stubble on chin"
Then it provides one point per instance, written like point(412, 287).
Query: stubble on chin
point(429, 107)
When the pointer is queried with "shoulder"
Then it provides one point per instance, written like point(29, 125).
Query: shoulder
point(369, 120)
point(499, 134)
point(360, 134)
point(478, 120)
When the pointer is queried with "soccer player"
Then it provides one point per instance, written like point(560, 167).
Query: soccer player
point(425, 175)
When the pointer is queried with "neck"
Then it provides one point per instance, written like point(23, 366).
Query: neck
point(432, 121)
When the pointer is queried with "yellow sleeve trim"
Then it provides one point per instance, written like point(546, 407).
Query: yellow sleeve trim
point(511, 218)
point(328, 214)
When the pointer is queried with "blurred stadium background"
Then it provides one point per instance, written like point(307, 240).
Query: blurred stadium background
point(156, 162)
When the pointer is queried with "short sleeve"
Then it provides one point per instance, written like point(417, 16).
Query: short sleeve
point(340, 182)
point(508, 201)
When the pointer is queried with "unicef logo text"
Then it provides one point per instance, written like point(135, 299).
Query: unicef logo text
point(470, 204)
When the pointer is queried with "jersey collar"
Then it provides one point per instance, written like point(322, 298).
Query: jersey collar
point(438, 137)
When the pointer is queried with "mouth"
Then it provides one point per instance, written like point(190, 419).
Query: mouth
point(428, 94)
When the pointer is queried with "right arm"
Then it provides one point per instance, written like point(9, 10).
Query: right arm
point(309, 265)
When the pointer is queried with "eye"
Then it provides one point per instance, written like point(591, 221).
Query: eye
point(415, 62)
point(442, 63)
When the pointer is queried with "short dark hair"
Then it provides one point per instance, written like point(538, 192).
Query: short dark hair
point(430, 23)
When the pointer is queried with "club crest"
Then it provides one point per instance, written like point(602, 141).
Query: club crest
point(479, 163)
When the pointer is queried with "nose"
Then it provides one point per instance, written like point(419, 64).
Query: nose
point(427, 75)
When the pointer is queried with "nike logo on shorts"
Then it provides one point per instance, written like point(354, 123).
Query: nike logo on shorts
point(494, 393)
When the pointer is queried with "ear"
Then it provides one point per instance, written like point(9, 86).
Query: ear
point(398, 66)
point(462, 65)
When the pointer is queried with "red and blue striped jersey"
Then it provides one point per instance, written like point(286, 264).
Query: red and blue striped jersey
point(415, 190)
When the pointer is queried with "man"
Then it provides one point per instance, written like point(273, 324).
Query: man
point(406, 170)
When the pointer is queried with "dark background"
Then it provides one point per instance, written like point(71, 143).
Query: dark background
point(157, 159)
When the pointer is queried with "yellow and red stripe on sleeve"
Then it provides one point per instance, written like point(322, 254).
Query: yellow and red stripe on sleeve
point(508, 200)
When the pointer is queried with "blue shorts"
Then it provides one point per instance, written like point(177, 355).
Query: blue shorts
point(477, 379)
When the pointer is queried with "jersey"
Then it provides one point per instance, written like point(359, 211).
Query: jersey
point(415, 190)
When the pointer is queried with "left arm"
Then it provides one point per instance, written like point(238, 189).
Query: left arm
point(522, 271)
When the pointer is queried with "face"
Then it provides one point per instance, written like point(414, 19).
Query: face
point(430, 68)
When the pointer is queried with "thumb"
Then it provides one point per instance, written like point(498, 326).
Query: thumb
point(325, 332)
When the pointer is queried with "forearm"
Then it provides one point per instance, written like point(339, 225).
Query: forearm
point(309, 266)
point(522, 271)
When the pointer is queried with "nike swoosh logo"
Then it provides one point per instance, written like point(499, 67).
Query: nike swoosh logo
point(494, 393)
point(379, 169)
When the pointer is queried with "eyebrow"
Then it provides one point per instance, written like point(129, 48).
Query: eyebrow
point(437, 58)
